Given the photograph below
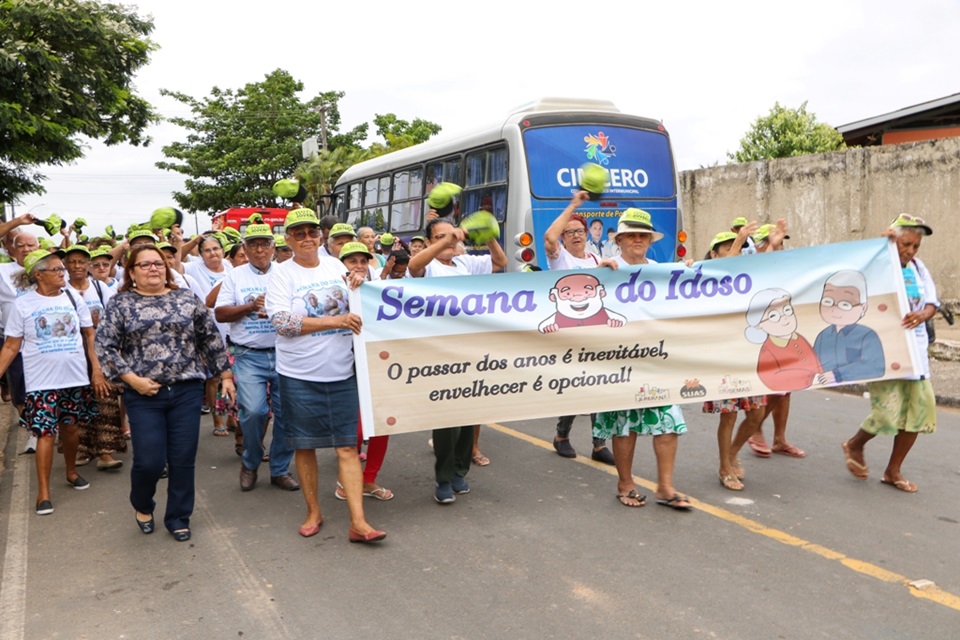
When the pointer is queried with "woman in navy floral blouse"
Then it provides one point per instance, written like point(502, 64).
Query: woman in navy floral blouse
point(162, 344)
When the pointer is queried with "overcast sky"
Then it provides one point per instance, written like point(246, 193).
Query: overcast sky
point(706, 69)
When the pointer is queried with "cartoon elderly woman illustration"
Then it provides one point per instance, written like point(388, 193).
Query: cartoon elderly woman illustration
point(787, 362)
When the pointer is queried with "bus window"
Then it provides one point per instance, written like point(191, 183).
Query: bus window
point(376, 191)
point(406, 216)
point(353, 196)
point(486, 183)
point(492, 199)
point(407, 184)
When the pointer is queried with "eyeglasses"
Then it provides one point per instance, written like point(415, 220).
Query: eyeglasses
point(53, 270)
point(257, 244)
point(300, 234)
point(910, 218)
point(572, 233)
point(843, 305)
point(152, 266)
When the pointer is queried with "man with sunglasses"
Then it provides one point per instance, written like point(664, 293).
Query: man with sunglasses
point(240, 303)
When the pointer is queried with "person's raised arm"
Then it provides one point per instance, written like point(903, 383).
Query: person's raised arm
point(551, 237)
point(418, 263)
point(7, 227)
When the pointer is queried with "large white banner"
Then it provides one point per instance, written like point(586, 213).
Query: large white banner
point(439, 352)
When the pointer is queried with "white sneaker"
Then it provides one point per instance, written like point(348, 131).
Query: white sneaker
point(31, 445)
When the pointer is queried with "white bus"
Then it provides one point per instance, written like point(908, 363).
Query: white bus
point(524, 168)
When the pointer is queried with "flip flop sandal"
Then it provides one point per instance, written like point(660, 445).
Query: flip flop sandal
point(481, 460)
point(759, 449)
point(792, 451)
point(380, 493)
point(633, 495)
point(673, 502)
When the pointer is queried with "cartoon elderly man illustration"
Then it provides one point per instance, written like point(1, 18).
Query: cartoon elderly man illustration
point(847, 350)
point(579, 300)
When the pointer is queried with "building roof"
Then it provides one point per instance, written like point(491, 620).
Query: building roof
point(942, 112)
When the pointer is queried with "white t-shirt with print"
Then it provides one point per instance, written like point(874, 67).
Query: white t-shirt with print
point(566, 260)
point(465, 265)
point(312, 292)
point(244, 284)
point(53, 355)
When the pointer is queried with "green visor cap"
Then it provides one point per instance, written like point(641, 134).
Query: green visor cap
point(35, 256)
point(279, 241)
point(141, 233)
point(258, 231)
point(77, 247)
point(442, 195)
point(386, 240)
point(353, 248)
point(593, 178)
point(720, 238)
point(739, 222)
point(299, 217)
point(165, 218)
point(907, 221)
point(481, 227)
point(342, 229)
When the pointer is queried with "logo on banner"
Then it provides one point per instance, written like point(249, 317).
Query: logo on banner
point(599, 149)
point(732, 385)
point(652, 393)
point(692, 389)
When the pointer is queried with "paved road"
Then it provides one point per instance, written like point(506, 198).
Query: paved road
point(539, 549)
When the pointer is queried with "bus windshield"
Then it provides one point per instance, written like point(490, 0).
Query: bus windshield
point(639, 161)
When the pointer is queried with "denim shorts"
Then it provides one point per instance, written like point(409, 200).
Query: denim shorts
point(319, 415)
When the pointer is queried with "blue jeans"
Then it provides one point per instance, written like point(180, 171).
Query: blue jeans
point(165, 430)
point(254, 371)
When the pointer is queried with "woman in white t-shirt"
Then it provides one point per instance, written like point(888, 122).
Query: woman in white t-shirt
point(565, 242)
point(207, 272)
point(59, 395)
point(318, 385)
point(104, 435)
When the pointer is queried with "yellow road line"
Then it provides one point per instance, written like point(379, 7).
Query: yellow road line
point(934, 594)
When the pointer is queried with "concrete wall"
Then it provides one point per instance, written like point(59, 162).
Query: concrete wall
point(836, 197)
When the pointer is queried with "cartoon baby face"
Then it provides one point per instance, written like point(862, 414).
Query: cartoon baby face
point(578, 296)
point(778, 319)
point(841, 306)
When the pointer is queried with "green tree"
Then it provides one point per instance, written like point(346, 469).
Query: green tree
point(241, 142)
point(784, 133)
point(66, 70)
point(320, 173)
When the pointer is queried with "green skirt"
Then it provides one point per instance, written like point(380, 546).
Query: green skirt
point(652, 421)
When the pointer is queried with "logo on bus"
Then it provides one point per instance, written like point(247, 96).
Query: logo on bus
point(599, 149)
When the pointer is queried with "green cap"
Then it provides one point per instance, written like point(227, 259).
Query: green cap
point(908, 221)
point(79, 223)
point(635, 220)
point(255, 218)
point(52, 224)
point(481, 227)
point(300, 217)
point(764, 232)
point(441, 197)
point(279, 241)
point(386, 240)
point(100, 253)
point(720, 238)
point(141, 233)
point(35, 256)
point(258, 231)
point(110, 231)
point(46, 243)
point(77, 247)
point(352, 248)
point(289, 189)
point(593, 178)
point(342, 229)
point(166, 245)
point(165, 218)
point(220, 237)
point(739, 221)
point(420, 238)
point(232, 234)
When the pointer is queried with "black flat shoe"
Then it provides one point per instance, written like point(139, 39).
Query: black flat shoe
point(145, 527)
point(181, 536)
